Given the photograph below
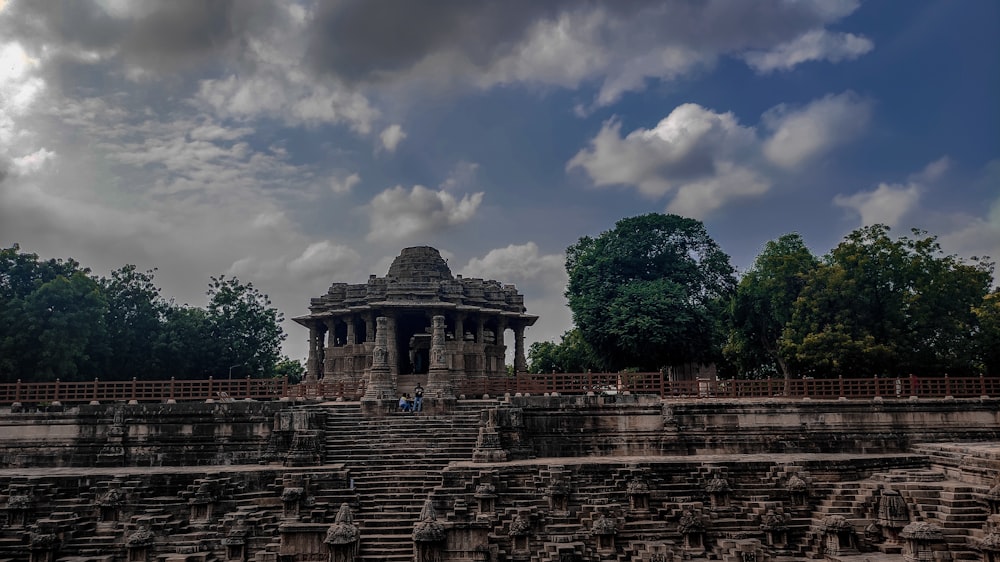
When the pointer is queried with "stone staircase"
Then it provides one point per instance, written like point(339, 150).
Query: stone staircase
point(394, 463)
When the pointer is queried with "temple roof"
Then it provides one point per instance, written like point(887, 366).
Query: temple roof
point(419, 264)
point(419, 277)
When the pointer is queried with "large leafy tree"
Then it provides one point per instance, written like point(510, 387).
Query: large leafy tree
point(987, 336)
point(134, 320)
point(571, 355)
point(650, 292)
point(51, 316)
point(246, 327)
point(763, 304)
point(882, 306)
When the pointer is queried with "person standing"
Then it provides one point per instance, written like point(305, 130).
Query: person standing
point(418, 398)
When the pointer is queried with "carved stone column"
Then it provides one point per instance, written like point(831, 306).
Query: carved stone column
point(380, 379)
point(439, 376)
point(351, 340)
point(520, 364)
point(313, 368)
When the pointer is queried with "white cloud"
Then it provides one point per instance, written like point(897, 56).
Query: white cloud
point(706, 159)
point(814, 45)
point(324, 260)
point(519, 262)
point(703, 156)
point(462, 176)
point(802, 134)
point(31, 163)
point(391, 136)
point(341, 185)
point(541, 278)
point(933, 171)
point(699, 198)
point(399, 214)
point(887, 204)
point(287, 95)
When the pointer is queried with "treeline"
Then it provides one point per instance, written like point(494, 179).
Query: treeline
point(58, 320)
point(656, 291)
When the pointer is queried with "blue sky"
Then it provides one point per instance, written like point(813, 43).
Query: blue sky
point(297, 144)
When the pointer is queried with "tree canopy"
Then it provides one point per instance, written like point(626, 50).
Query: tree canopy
point(763, 304)
point(882, 306)
point(59, 321)
point(651, 292)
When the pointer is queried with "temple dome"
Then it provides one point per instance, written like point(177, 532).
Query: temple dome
point(419, 264)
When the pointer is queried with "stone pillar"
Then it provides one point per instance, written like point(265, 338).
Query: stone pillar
point(392, 346)
point(313, 368)
point(380, 380)
point(460, 327)
point(369, 327)
point(520, 364)
point(331, 342)
point(439, 384)
point(351, 340)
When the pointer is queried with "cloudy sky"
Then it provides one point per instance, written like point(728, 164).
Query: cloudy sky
point(293, 144)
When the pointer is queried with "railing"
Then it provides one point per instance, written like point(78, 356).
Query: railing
point(143, 391)
point(558, 383)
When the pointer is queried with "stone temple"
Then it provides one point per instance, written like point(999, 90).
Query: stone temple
point(419, 287)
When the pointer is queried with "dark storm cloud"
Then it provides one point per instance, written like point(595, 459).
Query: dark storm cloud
point(358, 38)
point(364, 39)
point(159, 36)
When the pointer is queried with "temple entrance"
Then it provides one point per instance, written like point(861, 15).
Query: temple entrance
point(413, 343)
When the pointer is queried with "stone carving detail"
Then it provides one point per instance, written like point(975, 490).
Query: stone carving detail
point(488, 447)
point(838, 534)
point(343, 536)
point(380, 386)
point(892, 514)
point(922, 541)
point(428, 535)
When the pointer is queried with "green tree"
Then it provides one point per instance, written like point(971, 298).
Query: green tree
point(571, 355)
point(291, 368)
point(763, 304)
point(185, 347)
point(245, 325)
point(51, 315)
point(135, 318)
point(883, 306)
point(650, 292)
point(987, 335)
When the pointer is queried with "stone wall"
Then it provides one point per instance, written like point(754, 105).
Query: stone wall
point(183, 434)
point(552, 426)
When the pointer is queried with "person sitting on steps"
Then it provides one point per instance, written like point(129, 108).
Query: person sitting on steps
point(404, 404)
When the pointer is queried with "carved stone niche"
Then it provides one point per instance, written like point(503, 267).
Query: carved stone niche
point(428, 535)
point(839, 537)
point(343, 536)
point(486, 495)
point(139, 545)
point(520, 532)
point(236, 540)
point(993, 500)
point(775, 528)
point(989, 545)
point(924, 542)
point(604, 530)
point(893, 515)
point(638, 495)
point(718, 491)
point(691, 527)
point(19, 506)
point(558, 494)
point(291, 498)
point(798, 490)
point(110, 504)
point(44, 545)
